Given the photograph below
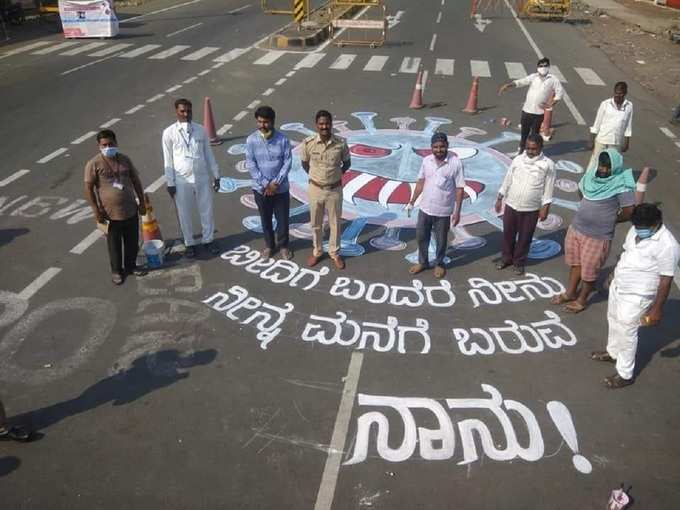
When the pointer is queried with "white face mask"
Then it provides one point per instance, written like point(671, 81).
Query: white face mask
point(543, 70)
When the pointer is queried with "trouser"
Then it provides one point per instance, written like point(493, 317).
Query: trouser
point(624, 312)
point(518, 231)
point(321, 200)
point(531, 123)
point(123, 243)
point(597, 148)
point(190, 195)
point(3, 416)
point(278, 206)
point(424, 228)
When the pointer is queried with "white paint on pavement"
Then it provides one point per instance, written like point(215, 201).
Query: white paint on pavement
point(28, 47)
point(111, 49)
point(329, 478)
point(203, 52)
point(81, 139)
point(439, 17)
point(281, 82)
point(269, 58)
point(231, 55)
point(310, 61)
point(39, 283)
point(343, 62)
point(290, 73)
point(481, 23)
point(184, 29)
point(83, 48)
point(224, 129)
point(240, 115)
point(239, 9)
point(78, 68)
point(253, 104)
point(218, 65)
point(11, 178)
point(589, 76)
point(433, 42)
point(52, 155)
point(56, 47)
point(159, 11)
point(169, 52)
point(667, 132)
point(189, 80)
point(677, 144)
point(155, 98)
point(515, 70)
point(134, 109)
point(410, 65)
point(376, 63)
point(83, 245)
point(155, 185)
point(140, 51)
point(204, 72)
point(480, 68)
point(268, 92)
point(444, 66)
point(109, 123)
point(426, 75)
point(172, 89)
point(554, 70)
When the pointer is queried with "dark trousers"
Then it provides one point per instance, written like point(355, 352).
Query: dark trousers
point(518, 231)
point(123, 238)
point(426, 225)
point(531, 123)
point(277, 206)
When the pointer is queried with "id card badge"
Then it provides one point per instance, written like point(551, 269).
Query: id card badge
point(118, 185)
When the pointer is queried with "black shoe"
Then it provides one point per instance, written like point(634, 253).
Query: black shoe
point(137, 271)
point(117, 279)
point(15, 434)
point(190, 252)
point(212, 248)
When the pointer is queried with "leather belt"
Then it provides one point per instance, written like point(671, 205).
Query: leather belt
point(326, 186)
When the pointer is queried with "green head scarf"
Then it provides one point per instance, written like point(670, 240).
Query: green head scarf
point(619, 181)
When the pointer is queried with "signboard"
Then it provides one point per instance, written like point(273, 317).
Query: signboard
point(360, 23)
point(88, 18)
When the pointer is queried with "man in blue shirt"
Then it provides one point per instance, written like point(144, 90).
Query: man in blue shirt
point(268, 158)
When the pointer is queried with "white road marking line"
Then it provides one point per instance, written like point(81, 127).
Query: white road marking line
point(203, 52)
point(439, 17)
point(268, 92)
point(329, 479)
point(37, 284)
point(109, 50)
point(155, 98)
point(589, 76)
point(159, 11)
point(84, 48)
point(376, 63)
point(667, 132)
point(426, 74)
point(56, 47)
point(231, 55)
point(169, 52)
point(565, 97)
point(290, 73)
point(239, 9)
point(444, 66)
point(240, 115)
point(433, 42)
point(52, 155)
point(204, 72)
point(515, 70)
point(83, 245)
point(184, 29)
point(343, 61)
point(189, 80)
point(269, 58)
point(155, 184)
point(218, 65)
point(409, 65)
point(78, 141)
point(310, 61)
point(281, 81)
point(253, 104)
point(224, 129)
point(11, 178)
point(140, 51)
point(480, 68)
point(172, 89)
point(554, 70)
point(78, 68)
point(677, 144)
point(28, 47)
point(443, 2)
point(134, 109)
point(109, 123)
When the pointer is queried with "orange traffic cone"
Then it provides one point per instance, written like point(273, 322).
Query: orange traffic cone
point(150, 228)
point(209, 123)
point(546, 127)
point(417, 97)
point(471, 106)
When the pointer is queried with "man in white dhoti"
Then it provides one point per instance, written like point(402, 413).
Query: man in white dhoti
point(191, 174)
point(642, 282)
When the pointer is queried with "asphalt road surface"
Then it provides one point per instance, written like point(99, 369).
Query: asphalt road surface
point(232, 382)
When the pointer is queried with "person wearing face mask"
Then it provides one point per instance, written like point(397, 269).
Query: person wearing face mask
point(192, 175)
point(607, 197)
point(545, 90)
point(641, 284)
point(527, 191)
point(113, 189)
point(268, 159)
point(441, 181)
point(613, 124)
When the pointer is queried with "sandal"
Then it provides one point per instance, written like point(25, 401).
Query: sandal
point(439, 272)
point(574, 307)
point(502, 265)
point(417, 268)
point(602, 356)
point(15, 434)
point(560, 299)
point(614, 382)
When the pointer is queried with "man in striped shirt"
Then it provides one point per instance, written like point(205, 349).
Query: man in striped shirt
point(527, 191)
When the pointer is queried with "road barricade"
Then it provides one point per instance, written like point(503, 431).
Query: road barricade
point(370, 30)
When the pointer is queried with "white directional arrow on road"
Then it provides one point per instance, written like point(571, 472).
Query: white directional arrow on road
point(393, 21)
point(481, 23)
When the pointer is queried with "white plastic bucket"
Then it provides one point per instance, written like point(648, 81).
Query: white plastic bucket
point(154, 252)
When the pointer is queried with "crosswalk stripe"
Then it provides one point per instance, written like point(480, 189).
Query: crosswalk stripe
point(196, 55)
point(83, 48)
point(110, 49)
point(56, 47)
point(410, 65)
point(515, 70)
point(140, 51)
point(480, 68)
point(555, 71)
point(376, 63)
point(28, 47)
point(231, 55)
point(343, 61)
point(667, 132)
point(269, 58)
point(169, 52)
point(310, 61)
point(444, 66)
point(589, 76)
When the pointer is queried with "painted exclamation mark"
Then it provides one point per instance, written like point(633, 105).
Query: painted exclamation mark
point(562, 418)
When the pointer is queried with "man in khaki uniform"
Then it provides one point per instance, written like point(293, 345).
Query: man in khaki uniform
point(325, 157)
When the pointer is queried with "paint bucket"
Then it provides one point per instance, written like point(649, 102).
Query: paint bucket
point(154, 252)
point(618, 500)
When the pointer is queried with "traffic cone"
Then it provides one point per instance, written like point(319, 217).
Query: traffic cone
point(546, 127)
point(641, 186)
point(417, 97)
point(471, 106)
point(209, 123)
point(150, 228)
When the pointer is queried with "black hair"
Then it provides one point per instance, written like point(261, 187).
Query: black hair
point(439, 137)
point(621, 84)
point(323, 113)
point(106, 133)
point(544, 60)
point(265, 112)
point(182, 101)
point(536, 138)
point(604, 159)
point(646, 215)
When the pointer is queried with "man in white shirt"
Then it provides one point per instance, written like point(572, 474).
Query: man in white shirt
point(613, 124)
point(545, 90)
point(191, 174)
point(528, 193)
point(642, 281)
